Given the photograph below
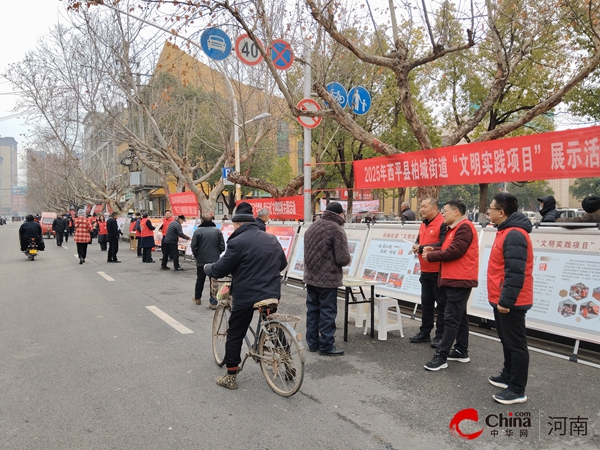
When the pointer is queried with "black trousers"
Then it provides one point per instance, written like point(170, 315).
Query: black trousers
point(147, 254)
point(139, 249)
point(170, 249)
point(82, 249)
point(456, 323)
point(239, 322)
point(513, 335)
point(59, 238)
point(432, 295)
point(200, 280)
point(113, 248)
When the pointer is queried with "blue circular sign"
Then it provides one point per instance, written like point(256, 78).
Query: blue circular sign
point(359, 100)
point(215, 43)
point(338, 92)
point(281, 54)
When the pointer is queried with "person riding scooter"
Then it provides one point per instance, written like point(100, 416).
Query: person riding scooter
point(28, 230)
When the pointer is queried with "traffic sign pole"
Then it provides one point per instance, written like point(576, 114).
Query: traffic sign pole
point(307, 139)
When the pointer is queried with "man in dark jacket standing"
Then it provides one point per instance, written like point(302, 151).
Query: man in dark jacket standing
point(407, 213)
point(174, 232)
point(58, 226)
point(254, 259)
point(113, 233)
point(207, 245)
point(548, 209)
point(459, 256)
point(262, 219)
point(510, 292)
point(325, 253)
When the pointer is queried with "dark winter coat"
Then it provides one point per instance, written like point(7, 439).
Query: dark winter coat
point(30, 230)
point(207, 243)
point(58, 225)
point(261, 224)
point(408, 215)
point(174, 232)
point(549, 212)
point(326, 251)
point(112, 229)
point(255, 260)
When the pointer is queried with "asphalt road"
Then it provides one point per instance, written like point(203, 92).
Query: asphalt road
point(84, 364)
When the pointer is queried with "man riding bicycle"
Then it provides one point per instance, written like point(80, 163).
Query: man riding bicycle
point(255, 260)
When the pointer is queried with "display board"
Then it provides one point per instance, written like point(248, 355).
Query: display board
point(357, 237)
point(388, 258)
point(566, 277)
point(285, 234)
point(188, 227)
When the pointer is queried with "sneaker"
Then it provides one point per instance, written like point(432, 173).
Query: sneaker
point(419, 337)
point(508, 397)
point(197, 301)
point(213, 303)
point(228, 381)
point(165, 268)
point(498, 381)
point(436, 342)
point(438, 362)
point(457, 355)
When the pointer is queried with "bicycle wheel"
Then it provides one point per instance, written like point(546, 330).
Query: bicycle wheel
point(219, 333)
point(281, 361)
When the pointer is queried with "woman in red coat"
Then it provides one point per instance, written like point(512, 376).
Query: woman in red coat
point(82, 236)
point(102, 233)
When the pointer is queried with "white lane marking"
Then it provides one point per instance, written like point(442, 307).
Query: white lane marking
point(161, 315)
point(106, 277)
point(65, 247)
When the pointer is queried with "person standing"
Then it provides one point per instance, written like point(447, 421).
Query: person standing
point(262, 219)
point(255, 260)
point(82, 235)
point(102, 232)
point(548, 209)
point(67, 225)
point(407, 213)
point(164, 226)
point(138, 232)
point(459, 257)
point(146, 238)
point(174, 232)
point(207, 245)
point(431, 233)
point(325, 253)
point(510, 292)
point(58, 226)
point(112, 234)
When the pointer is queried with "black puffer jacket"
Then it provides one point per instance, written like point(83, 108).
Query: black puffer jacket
point(254, 259)
point(326, 251)
point(549, 212)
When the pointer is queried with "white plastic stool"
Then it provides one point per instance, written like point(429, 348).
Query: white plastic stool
point(383, 324)
point(358, 312)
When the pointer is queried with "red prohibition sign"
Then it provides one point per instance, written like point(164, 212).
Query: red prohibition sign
point(308, 104)
point(281, 54)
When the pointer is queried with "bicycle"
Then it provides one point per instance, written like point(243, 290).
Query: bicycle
point(276, 345)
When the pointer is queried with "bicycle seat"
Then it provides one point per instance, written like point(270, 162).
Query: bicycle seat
point(267, 302)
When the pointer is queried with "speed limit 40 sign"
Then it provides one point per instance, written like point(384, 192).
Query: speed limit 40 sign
point(247, 51)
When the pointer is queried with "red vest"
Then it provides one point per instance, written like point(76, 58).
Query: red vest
point(146, 232)
point(467, 266)
point(132, 230)
point(496, 271)
point(102, 227)
point(165, 224)
point(430, 234)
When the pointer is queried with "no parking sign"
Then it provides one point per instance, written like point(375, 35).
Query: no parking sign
point(281, 54)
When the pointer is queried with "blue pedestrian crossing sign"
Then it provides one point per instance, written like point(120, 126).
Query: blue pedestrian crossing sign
point(215, 43)
point(359, 100)
point(338, 92)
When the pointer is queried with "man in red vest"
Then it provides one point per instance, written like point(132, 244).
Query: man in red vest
point(431, 233)
point(510, 292)
point(459, 256)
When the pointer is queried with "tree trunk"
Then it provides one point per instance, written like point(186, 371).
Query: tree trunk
point(483, 194)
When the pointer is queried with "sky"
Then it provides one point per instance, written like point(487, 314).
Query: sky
point(23, 23)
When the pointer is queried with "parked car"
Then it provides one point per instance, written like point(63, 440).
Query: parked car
point(569, 213)
point(46, 220)
point(533, 216)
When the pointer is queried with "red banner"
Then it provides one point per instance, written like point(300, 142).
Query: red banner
point(546, 156)
point(184, 203)
point(284, 208)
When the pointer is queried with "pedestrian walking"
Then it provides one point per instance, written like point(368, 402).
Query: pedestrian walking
point(58, 225)
point(112, 235)
point(102, 233)
point(66, 225)
point(82, 235)
point(510, 292)
point(255, 260)
point(325, 253)
point(146, 238)
point(459, 257)
point(174, 232)
point(432, 232)
point(207, 245)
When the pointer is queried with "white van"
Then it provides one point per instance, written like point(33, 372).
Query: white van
point(569, 213)
point(532, 216)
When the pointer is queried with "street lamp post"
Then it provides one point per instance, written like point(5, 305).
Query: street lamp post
point(236, 138)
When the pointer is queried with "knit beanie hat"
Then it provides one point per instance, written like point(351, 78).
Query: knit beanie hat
point(591, 204)
point(243, 213)
point(335, 207)
point(81, 213)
